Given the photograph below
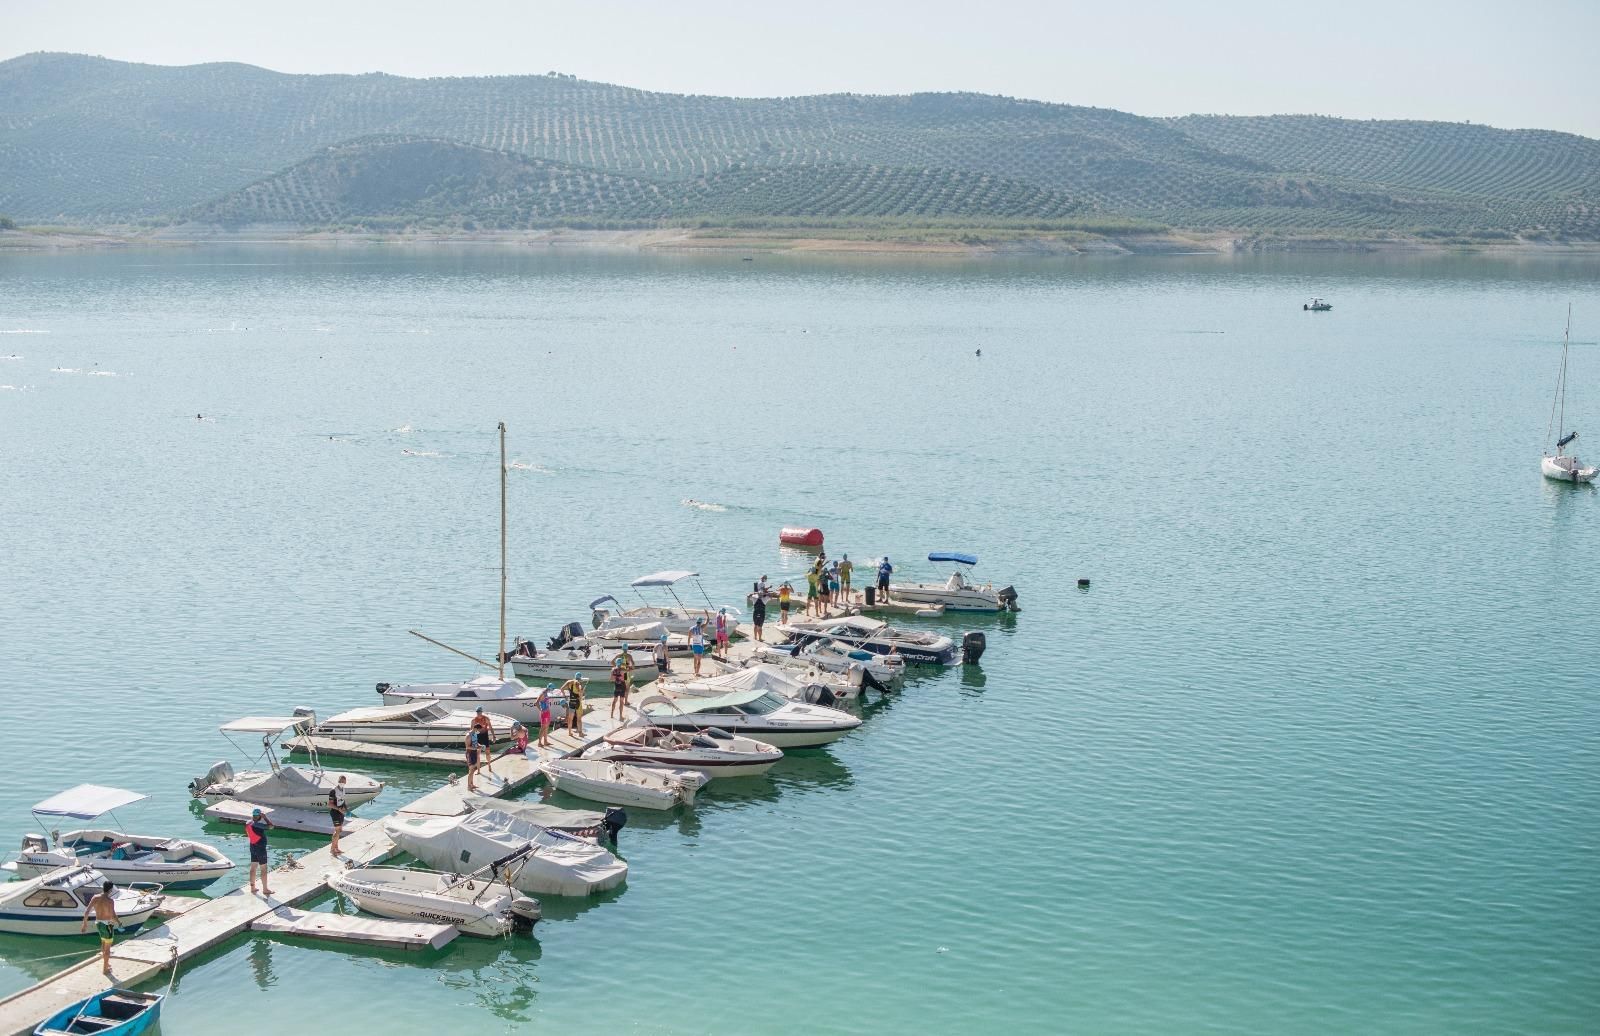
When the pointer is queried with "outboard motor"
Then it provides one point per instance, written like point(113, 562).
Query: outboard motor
point(1008, 599)
point(525, 912)
point(307, 714)
point(218, 774)
point(972, 646)
point(599, 617)
point(871, 683)
point(382, 687)
point(616, 819)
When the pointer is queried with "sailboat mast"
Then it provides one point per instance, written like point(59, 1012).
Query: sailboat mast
point(1566, 341)
point(500, 656)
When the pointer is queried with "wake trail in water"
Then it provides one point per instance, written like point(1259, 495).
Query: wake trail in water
point(538, 469)
point(25, 331)
point(421, 453)
point(703, 505)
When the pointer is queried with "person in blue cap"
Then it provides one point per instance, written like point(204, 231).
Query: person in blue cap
point(697, 643)
point(663, 664)
point(544, 715)
point(885, 570)
point(574, 691)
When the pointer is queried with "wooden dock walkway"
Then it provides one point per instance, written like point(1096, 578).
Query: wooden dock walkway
point(367, 931)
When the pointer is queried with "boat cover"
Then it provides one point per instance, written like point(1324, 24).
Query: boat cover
point(264, 724)
point(755, 678)
point(560, 864)
point(381, 713)
point(540, 813)
point(713, 704)
point(86, 801)
point(666, 578)
point(960, 559)
point(598, 601)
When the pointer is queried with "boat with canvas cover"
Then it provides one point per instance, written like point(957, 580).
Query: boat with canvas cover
point(827, 654)
point(422, 724)
point(957, 593)
point(621, 784)
point(811, 686)
point(126, 859)
point(571, 652)
point(754, 712)
point(676, 617)
point(281, 784)
point(586, 822)
point(1562, 466)
point(512, 699)
point(715, 753)
point(111, 1012)
point(879, 638)
point(54, 903)
point(473, 904)
point(557, 864)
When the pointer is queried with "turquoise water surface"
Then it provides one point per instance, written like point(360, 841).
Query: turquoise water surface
point(1316, 751)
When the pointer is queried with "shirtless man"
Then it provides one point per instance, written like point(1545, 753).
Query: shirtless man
point(106, 922)
point(483, 729)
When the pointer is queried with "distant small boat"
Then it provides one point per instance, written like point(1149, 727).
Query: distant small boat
point(113, 1012)
point(1317, 306)
point(1562, 466)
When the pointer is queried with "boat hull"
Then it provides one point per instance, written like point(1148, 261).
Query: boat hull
point(952, 600)
point(713, 768)
point(524, 710)
point(618, 792)
point(559, 670)
point(21, 921)
point(412, 736)
point(207, 865)
point(142, 1011)
point(1577, 472)
point(488, 918)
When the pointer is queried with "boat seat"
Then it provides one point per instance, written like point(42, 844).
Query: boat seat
point(88, 1023)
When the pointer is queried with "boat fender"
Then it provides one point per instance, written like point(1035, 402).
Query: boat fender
point(1083, 584)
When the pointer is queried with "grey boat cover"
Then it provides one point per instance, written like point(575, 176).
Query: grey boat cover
point(560, 865)
point(540, 813)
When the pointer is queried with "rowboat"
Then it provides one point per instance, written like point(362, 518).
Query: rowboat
point(113, 1012)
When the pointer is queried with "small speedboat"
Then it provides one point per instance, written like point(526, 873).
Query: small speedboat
point(622, 784)
point(570, 652)
point(126, 859)
point(281, 784)
point(417, 723)
point(957, 593)
point(472, 903)
point(879, 638)
point(755, 712)
point(1317, 306)
point(510, 698)
point(111, 1012)
point(814, 652)
point(715, 753)
point(810, 686)
point(676, 617)
point(55, 903)
point(548, 862)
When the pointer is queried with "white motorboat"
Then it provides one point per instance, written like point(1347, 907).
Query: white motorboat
point(957, 593)
point(879, 638)
point(426, 724)
point(568, 655)
point(126, 859)
point(676, 617)
point(1317, 306)
point(715, 753)
point(757, 713)
point(1562, 466)
point(622, 784)
point(831, 656)
point(512, 699)
point(556, 864)
point(55, 903)
point(473, 904)
point(811, 686)
point(281, 784)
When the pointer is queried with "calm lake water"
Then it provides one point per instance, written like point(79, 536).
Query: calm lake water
point(1316, 752)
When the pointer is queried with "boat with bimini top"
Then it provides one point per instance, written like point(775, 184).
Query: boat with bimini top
point(958, 593)
point(280, 784)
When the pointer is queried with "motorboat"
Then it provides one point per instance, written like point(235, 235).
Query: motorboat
point(1561, 465)
point(817, 652)
point(126, 859)
point(571, 652)
point(110, 1012)
point(754, 712)
point(1317, 306)
point(281, 784)
point(715, 753)
point(677, 617)
point(812, 686)
point(586, 822)
point(473, 904)
point(877, 637)
point(957, 593)
point(512, 699)
point(623, 784)
point(54, 903)
point(419, 723)
point(556, 864)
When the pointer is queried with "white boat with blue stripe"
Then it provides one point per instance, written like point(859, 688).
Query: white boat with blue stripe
point(958, 593)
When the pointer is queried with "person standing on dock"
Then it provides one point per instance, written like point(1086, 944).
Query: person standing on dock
point(472, 759)
point(697, 643)
point(833, 583)
point(256, 832)
point(885, 570)
point(574, 692)
point(845, 568)
point(758, 613)
point(619, 690)
point(544, 715)
point(785, 592)
point(483, 728)
point(106, 922)
point(663, 663)
point(336, 813)
point(722, 633)
point(812, 597)
point(626, 661)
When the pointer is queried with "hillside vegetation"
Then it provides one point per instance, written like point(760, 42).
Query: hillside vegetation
point(88, 140)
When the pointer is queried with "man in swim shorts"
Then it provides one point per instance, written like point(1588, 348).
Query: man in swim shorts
point(336, 813)
point(256, 832)
point(106, 922)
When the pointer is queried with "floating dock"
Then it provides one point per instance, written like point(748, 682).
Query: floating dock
point(369, 931)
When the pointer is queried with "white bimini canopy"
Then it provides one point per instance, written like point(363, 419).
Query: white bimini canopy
point(663, 578)
point(86, 801)
point(263, 725)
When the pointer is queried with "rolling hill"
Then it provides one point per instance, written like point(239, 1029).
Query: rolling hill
point(87, 140)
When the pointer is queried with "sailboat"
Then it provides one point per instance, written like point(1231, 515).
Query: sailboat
point(497, 694)
point(1563, 466)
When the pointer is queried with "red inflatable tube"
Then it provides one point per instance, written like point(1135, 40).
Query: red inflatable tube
point(801, 537)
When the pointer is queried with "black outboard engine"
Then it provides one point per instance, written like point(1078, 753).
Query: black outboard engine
point(565, 635)
point(1008, 599)
point(972, 646)
point(383, 687)
point(615, 820)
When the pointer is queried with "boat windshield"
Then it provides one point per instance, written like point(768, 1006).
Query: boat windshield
point(767, 703)
point(432, 712)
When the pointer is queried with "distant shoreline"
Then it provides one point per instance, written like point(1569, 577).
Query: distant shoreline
point(906, 241)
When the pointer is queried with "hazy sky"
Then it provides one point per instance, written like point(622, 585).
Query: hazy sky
point(1506, 64)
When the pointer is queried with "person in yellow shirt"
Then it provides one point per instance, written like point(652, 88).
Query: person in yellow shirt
point(783, 603)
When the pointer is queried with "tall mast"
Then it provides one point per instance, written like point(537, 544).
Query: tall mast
point(500, 656)
point(1566, 339)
